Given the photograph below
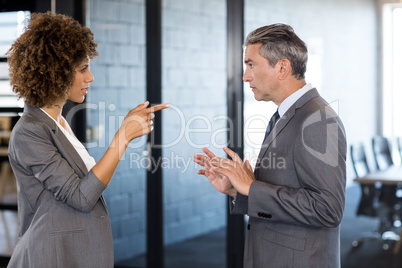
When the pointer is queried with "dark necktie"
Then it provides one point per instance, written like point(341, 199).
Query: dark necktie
point(275, 117)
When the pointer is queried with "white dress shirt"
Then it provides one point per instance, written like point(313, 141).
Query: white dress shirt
point(289, 101)
point(79, 147)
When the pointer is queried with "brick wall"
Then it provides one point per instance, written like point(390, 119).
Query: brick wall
point(193, 70)
point(119, 71)
point(194, 82)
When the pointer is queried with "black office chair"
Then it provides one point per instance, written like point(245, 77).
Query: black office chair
point(382, 153)
point(390, 194)
point(399, 144)
point(370, 192)
point(359, 160)
point(370, 201)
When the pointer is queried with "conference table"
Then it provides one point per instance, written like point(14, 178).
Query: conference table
point(391, 176)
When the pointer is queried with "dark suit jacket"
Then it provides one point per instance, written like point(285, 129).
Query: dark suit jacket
point(63, 221)
point(296, 202)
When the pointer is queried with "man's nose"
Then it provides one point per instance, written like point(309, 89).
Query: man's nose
point(246, 76)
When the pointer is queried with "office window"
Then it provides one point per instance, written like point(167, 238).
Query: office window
point(12, 25)
point(392, 63)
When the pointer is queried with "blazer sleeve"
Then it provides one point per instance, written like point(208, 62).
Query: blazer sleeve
point(240, 204)
point(319, 167)
point(33, 151)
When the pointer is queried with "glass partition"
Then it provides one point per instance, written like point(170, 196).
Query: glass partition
point(194, 49)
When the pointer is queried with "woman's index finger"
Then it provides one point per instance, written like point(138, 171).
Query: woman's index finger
point(158, 107)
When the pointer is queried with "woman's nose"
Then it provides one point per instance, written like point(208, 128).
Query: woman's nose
point(89, 77)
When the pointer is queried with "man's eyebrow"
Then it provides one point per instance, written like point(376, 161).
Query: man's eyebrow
point(248, 61)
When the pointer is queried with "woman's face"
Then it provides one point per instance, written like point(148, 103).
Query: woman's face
point(83, 77)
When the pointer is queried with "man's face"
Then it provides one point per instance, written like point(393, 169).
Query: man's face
point(260, 74)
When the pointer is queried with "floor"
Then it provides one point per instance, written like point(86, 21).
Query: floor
point(201, 252)
point(370, 254)
point(209, 250)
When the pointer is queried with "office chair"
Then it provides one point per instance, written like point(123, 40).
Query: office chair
point(382, 153)
point(370, 203)
point(359, 160)
point(369, 192)
point(391, 194)
point(399, 144)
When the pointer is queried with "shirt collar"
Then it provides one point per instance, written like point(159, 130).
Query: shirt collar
point(289, 101)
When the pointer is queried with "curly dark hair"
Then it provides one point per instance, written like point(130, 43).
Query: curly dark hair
point(43, 59)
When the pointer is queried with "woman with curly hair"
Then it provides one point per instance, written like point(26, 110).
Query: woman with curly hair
point(63, 220)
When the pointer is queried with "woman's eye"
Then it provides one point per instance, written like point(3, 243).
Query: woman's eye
point(84, 70)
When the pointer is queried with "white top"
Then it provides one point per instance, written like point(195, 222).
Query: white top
point(79, 147)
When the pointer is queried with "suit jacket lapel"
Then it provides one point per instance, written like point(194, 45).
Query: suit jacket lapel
point(68, 148)
point(284, 120)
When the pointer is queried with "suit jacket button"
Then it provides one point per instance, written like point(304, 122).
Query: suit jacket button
point(269, 216)
point(259, 214)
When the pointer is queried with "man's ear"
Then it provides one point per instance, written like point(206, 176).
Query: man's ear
point(284, 68)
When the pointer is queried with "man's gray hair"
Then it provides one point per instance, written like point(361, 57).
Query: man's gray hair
point(279, 41)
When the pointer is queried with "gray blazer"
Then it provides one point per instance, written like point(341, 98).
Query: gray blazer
point(63, 220)
point(296, 203)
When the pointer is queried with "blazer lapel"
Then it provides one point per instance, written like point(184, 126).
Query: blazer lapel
point(283, 121)
point(78, 164)
point(72, 152)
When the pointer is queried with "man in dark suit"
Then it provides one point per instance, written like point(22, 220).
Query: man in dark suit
point(295, 202)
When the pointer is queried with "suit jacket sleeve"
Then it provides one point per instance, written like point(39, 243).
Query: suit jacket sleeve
point(38, 153)
point(240, 205)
